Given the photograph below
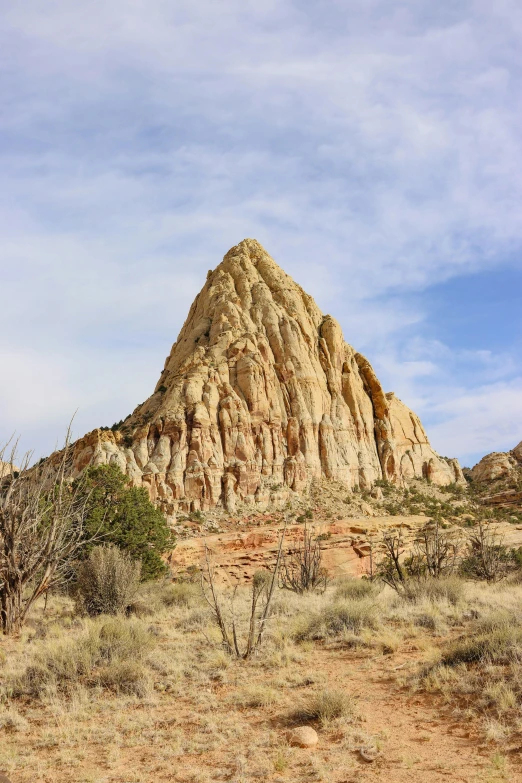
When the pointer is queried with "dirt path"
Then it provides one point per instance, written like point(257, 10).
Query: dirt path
point(419, 739)
point(207, 732)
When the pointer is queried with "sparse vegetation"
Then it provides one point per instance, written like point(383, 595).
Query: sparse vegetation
point(119, 514)
point(262, 592)
point(106, 653)
point(301, 567)
point(72, 681)
point(325, 706)
point(107, 581)
point(42, 528)
point(159, 684)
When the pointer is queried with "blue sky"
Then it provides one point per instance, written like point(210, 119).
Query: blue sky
point(374, 148)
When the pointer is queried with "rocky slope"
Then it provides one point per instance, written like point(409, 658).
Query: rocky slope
point(260, 394)
point(498, 478)
point(497, 464)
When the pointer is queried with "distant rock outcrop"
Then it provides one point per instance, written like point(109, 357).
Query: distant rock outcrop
point(6, 469)
point(497, 464)
point(259, 395)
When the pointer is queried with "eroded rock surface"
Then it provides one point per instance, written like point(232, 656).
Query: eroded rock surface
point(497, 464)
point(259, 395)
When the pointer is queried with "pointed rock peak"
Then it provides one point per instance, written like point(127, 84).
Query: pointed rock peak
point(259, 395)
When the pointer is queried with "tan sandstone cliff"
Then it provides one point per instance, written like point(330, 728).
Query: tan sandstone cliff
point(499, 475)
point(259, 395)
point(497, 464)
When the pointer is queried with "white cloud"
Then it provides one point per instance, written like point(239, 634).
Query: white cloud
point(486, 419)
point(373, 148)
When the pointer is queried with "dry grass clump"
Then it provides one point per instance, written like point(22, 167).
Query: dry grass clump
point(107, 653)
point(349, 616)
point(447, 588)
point(155, 597)
point(181, 594)
point(357, 589)
point(326, 705)
point(11, 720)
point(259, 695)
point(497, 639)
point(481, 671)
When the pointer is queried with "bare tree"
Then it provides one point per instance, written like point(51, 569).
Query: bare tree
point(301, 569)
point(487, 557)
point(41, 528)
point(390, 568)
point(436, 553)
point(263, 586)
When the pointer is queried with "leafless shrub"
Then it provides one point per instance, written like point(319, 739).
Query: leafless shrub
point(391, 569)
point(487, 558)
point(263, 585)
point(107, 581)
point(41, 531)
point(435, 554)
point(301, 568)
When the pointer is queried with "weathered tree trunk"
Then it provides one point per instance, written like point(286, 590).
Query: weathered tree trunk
point(11, 608)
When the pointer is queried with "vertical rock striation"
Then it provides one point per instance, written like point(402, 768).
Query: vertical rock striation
point(259, 395)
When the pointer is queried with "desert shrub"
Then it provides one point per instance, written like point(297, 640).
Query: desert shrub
point(197, 618)
point(100, 654)
point(487, 558)
point(326, 706)
point(107, 581)
point(334, 620)
point(301, 567)
point(449, 588)
point(428, 620)
point(495, 640)
point(154, 596)
point(181, 594)
point(256, 696)
point(356, 589)
point(124, 516)
point(126, 677)
point(11, 720)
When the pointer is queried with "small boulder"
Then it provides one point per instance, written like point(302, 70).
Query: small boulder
point(369, 753)
point(303, 737)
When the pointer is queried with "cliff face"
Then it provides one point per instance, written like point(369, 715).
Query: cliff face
point(498, 464)
point(259, 395)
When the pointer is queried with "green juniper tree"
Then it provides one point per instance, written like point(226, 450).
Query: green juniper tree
point(119, 514)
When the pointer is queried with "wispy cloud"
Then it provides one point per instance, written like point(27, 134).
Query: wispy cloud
point(373, 148)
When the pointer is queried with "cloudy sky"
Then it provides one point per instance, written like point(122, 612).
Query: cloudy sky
point(373, 147)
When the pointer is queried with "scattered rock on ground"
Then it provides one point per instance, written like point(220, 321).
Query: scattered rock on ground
point(303, 737)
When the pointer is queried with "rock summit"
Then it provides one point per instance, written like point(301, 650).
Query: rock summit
point(259, 395)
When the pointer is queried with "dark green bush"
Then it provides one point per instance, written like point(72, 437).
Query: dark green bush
point(124, 516)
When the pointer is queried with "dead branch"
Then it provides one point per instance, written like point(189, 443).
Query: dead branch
point(41, 532)
point(263, 585)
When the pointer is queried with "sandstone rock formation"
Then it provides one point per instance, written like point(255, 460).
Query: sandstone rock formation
point(6, 469)
point(497, 464)
point(259, 395)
